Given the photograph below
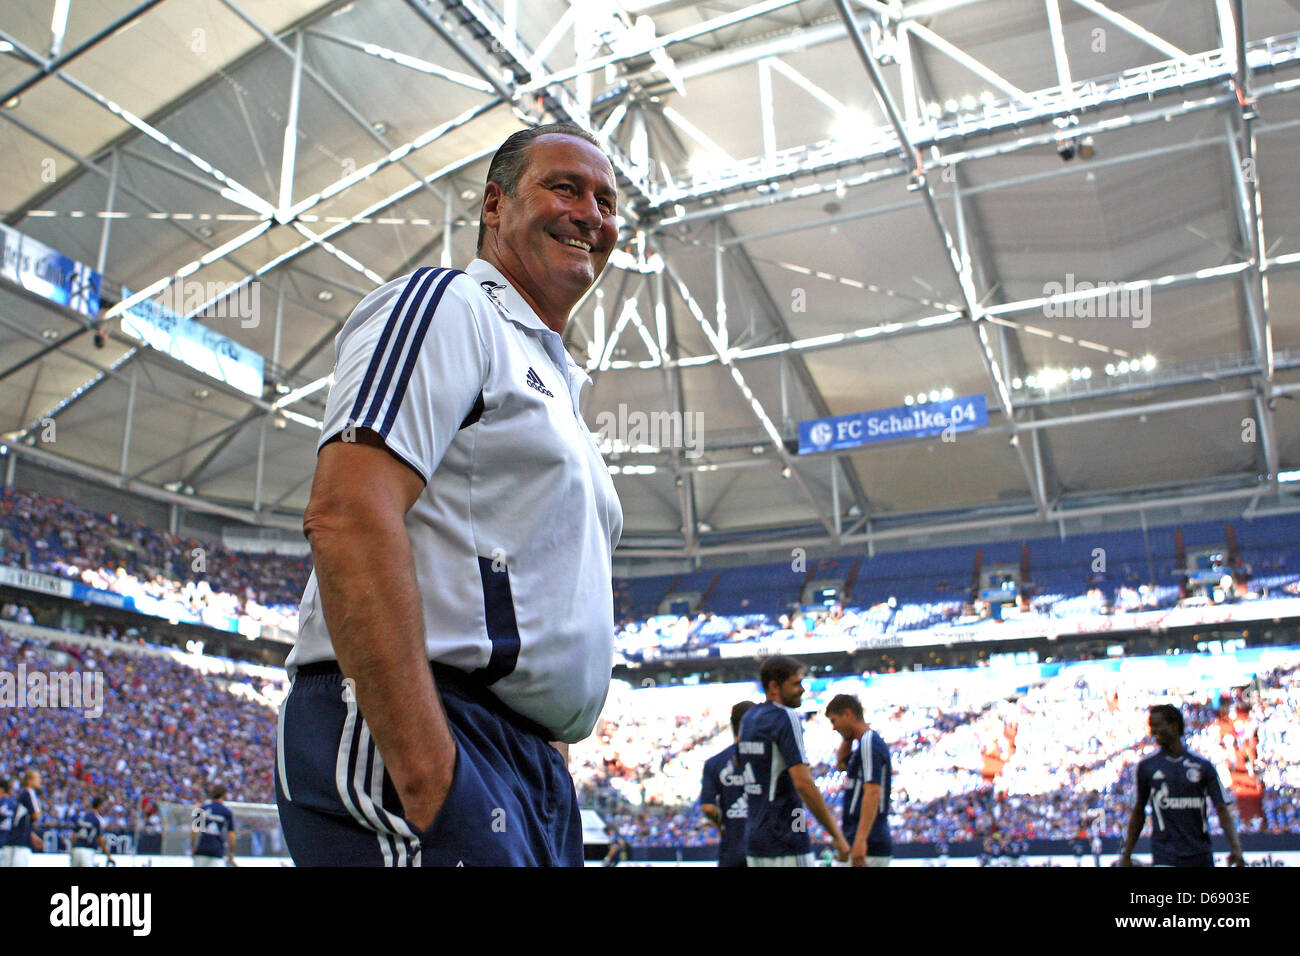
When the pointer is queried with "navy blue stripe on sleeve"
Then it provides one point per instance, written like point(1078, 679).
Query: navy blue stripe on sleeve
point(399, 346)
point(413, 353)
point(394, 317)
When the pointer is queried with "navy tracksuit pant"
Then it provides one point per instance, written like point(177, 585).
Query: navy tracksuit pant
point(511, 803)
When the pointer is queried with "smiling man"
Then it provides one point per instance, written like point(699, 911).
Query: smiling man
point(457, 632)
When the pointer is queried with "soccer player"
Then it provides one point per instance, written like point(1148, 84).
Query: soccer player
point(213, 828)
point(8, 806)
point(1179, 785)
point(462, 524)
point(619, 851)
point(776, 774)
point(722, 794)
point(866, 805)
point(88, 835)
point(27, 811)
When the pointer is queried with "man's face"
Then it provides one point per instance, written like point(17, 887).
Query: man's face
point(36, 781)
point(1164, 732)
point(556, 233)
point(791, 690)
point(841, 723)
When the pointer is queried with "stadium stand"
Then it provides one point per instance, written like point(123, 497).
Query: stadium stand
point(1052, 763)
point(982, 751)
point(167, 731)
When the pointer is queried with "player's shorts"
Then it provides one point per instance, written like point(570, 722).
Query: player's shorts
point(6, 855)
point(1194, 860)
point(19, 855)
point(511, 803)
point(201, 859)
point(82, 856)
point(871, 861)
point(801, 859)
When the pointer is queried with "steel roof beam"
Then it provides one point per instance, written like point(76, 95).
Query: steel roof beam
point(59, 62)
point(959, 268)
point(801, 370)
point(769, 307)
point(773, 434)
point(1250, 230)
point(328, 89)
point(403, 59)
point(87, 164)
point(112, 480)
point(235, 191)
point(1167, 80)
point(509, 50)
point(677, 36)
point(914, 326)
point(683, 476)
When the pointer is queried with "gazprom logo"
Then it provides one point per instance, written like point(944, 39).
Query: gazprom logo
point(821, 434)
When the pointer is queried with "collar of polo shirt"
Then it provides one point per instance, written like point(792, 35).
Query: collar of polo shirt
point(509, 301)
point(513, 306)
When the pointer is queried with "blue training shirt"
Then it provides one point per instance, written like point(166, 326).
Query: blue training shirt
point(724, 787)
point(771, 741)
point(1180, 790)
point(27, 807)
point(212, 822)
point(8, 806)
point(869, 763)
point(89, 826)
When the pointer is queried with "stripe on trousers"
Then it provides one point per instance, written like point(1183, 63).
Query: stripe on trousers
point(402, 828)
point(279, 750)
point(371, 803)
point(341, 778)
point(362, 796)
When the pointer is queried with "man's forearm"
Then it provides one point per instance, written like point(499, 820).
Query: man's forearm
point(371, 600)
point(1136, 821)
point(843, 753)
point(870, 807)
point(1229, 826)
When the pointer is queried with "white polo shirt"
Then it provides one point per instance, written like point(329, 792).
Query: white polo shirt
point(514, 532)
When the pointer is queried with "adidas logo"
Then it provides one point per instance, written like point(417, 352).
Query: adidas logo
point(1158, 775)
point(535, 382)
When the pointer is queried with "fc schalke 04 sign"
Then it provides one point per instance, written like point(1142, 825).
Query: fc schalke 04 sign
point(914, 421)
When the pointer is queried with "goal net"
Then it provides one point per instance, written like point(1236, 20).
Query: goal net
point(257, 829)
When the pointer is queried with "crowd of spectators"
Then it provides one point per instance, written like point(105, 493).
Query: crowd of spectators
point(1055, 763)
point(166, 733)
point(171, 577)
point(165, 575)
point(645, 640)
point(1052, 762)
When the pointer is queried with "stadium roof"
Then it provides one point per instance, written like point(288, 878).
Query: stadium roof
point(829, 208)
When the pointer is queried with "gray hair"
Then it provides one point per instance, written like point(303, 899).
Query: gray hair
point(511, 159)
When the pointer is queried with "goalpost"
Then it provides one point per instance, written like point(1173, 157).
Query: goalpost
point(257, 830)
